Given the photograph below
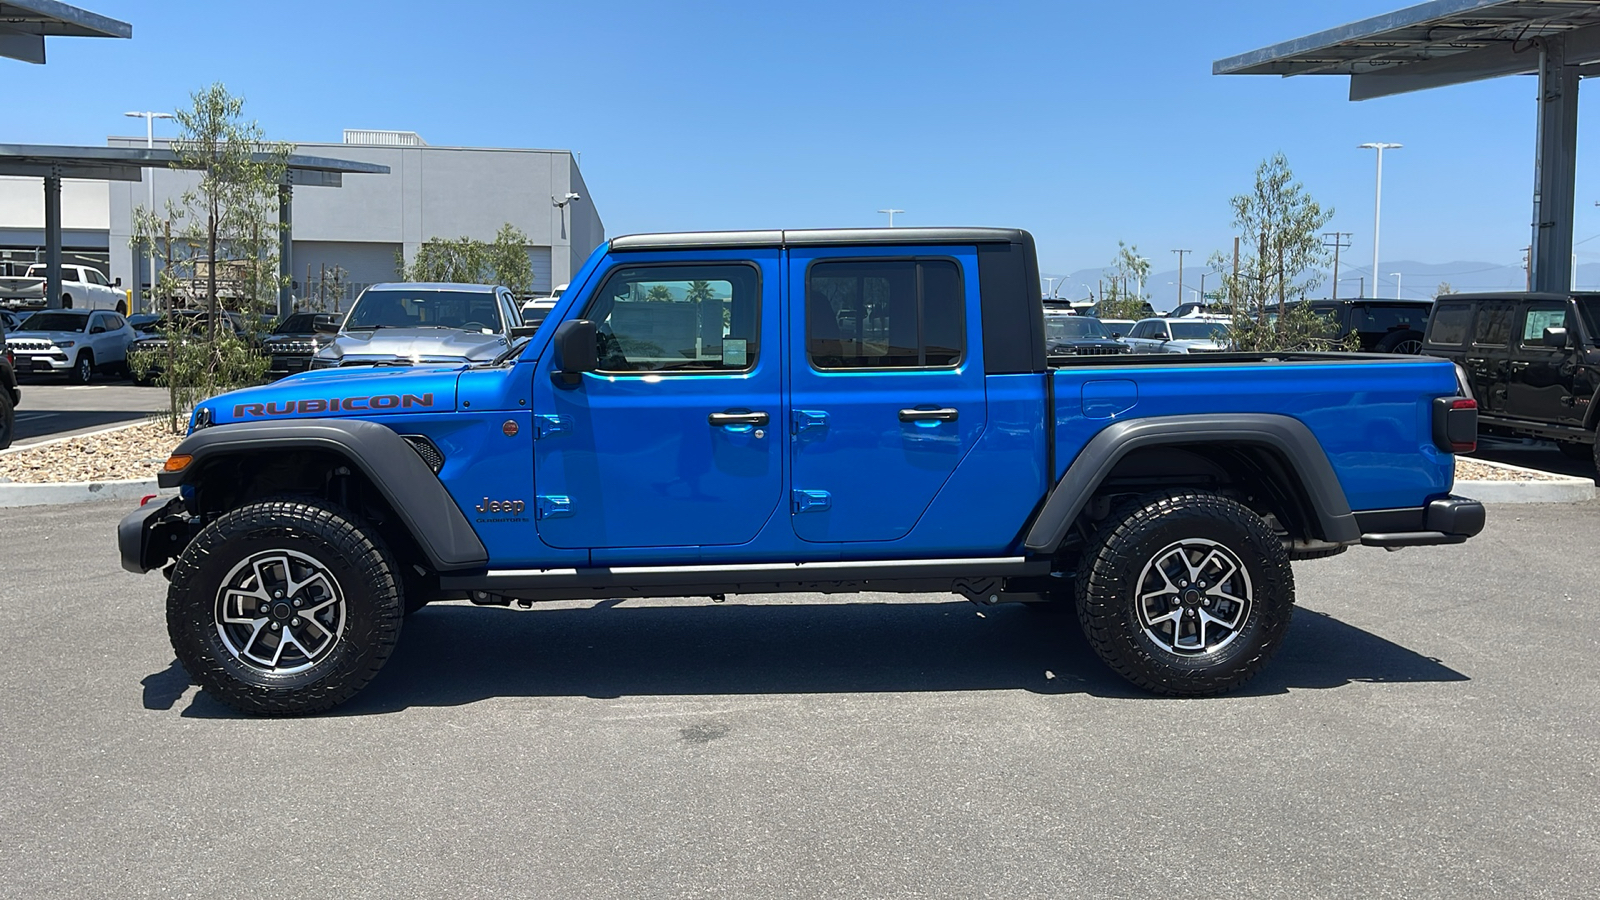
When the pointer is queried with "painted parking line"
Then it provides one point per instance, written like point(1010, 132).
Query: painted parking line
point(87, 387)
point(28, 417)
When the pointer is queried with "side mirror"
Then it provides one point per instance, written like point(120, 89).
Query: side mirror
point(577, 351)
point(98, 329)
point(116, 282)
point(325, 323)
point(1116, 335)
point(1555, 337)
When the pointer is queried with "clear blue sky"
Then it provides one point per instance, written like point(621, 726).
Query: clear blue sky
point(1084, 123)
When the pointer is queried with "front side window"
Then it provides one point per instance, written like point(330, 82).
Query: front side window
point(401, 308)
point(897, 314)
point(680, 318)
point(1539, 318)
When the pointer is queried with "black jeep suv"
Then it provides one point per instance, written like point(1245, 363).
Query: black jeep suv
point(1533, 361)
point(1381, 326)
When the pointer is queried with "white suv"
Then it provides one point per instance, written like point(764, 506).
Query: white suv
point(1190, 334)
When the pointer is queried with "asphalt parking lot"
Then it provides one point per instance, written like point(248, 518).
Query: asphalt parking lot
point(1430, 730)
point(51, 408)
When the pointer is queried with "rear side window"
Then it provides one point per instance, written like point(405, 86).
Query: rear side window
point(1493, 327)
point(1391, 318)
point(1449, 323)
point(888, 314)
point(1538, 319)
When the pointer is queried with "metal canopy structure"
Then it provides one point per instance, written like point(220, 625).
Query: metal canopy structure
point(24, 24)
point(1445, 42)
point(53, 163)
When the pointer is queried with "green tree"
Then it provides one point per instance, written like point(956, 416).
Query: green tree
point(1444, 288)
point(219, 242)
point(508, 260)
point(1282, 225)
point(464, 260)
point(1121, 296)
point(658, 293)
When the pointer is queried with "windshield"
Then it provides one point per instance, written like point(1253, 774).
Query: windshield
point(1589, 308)
point(1199, 331)
point(299, 323)
point(533, 315)
point(467, 310)
point(55, 321)
point(1063, 328)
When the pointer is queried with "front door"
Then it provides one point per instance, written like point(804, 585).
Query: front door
point(1540, 383)
point(676, 440)
point(887, 386)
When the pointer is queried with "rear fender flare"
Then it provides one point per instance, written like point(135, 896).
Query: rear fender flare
point(1288, 437)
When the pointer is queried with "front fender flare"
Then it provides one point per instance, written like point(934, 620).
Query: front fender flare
point(1287, 436)
point(425, 508)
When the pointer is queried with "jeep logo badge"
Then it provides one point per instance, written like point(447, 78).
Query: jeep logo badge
point(515, 507)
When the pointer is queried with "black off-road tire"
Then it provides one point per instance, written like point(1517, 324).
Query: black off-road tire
point(82, 371)
point(1133, 542)
point(122, 307)
point(8, 418)
point(351, 554)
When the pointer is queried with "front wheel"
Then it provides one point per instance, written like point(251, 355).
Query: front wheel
point(82, 370)
point(8, 418)
point(284, 607)
point(1187, 594)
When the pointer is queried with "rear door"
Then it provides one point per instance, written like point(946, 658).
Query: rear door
point(1489, 354)
point(887, 385)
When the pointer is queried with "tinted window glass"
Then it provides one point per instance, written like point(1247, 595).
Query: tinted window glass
point(1494, 324)
point(1539, 318)
point(1448, 324)
point(1200, 331)
point(1390, 318)
point(299, 323)
point(889, 314)
point(678, 318)
point(1062, 328)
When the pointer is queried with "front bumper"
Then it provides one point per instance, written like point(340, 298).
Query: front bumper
point(42, 363)
point(1449, 520)
point(151, 535)
point(284, 364)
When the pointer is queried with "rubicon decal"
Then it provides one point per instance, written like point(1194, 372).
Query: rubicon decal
point(334, 404)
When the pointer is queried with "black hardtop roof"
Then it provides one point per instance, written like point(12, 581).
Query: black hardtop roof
point(1414, 301)
point(832, 237)
point(1520, 295)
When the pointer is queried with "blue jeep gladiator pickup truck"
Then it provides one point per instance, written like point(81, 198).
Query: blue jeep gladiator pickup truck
point(770, 411)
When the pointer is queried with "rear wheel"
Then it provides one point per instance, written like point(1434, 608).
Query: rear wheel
point(122, 307)
point(1186, 594)
point(284, 607)
point(1408, 342)
point(66, 301)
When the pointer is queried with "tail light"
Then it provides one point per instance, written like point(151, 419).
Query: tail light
point(1455, 424)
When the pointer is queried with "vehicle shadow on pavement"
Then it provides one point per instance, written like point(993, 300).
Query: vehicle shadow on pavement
point(453, 655)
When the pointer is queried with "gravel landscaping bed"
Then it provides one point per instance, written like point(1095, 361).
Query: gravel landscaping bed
point(1478, 470)
point(127, 453)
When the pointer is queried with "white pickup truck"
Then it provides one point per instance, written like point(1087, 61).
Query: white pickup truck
point(82, 287)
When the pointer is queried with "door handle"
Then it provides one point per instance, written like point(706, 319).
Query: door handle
point(929, 415)
point(738, 418)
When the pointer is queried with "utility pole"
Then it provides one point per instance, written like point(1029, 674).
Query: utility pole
point(1397, 279)
point(891, 213)
point(1233, 286)
point(149, 175)
point(1180, 275)
point(1339, 241)
point(1527, 267)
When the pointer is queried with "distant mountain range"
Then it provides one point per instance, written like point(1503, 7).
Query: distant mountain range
point(1417, 281)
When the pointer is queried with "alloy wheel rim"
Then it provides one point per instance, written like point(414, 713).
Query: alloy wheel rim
point(280, 612)
point(1412, 347)
point(1194, 597)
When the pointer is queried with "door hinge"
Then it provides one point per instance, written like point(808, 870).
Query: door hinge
point(552, 506)
point(804, 419)
point(811, 501)
point(548, 425)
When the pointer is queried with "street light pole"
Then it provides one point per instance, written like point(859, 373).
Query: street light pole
point(150, 182)
point(1377, 203)
point(891, 213)
point(1397, 278)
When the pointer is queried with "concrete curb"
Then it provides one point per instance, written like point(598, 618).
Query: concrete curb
point(53, 493)
point(1566, 490)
